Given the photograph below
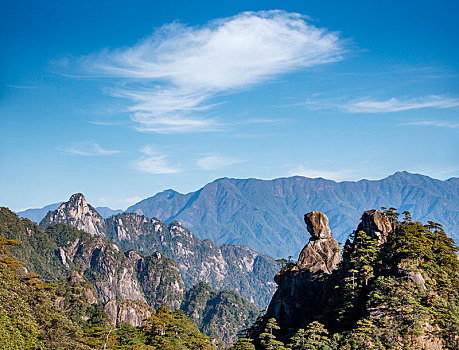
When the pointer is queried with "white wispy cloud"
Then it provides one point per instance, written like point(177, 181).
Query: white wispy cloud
point(28, 87)
point(171, 76)
point(217, 162)
point(384, 106)
point(153, 162)
point(436, 123)
point(397, 105)
point(88, 149)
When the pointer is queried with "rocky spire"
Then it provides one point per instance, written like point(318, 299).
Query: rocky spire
point(300, 287)
point(78, 213)
point(322, 254)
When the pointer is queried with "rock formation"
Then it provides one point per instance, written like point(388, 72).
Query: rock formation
point(229, 266)
point(322, 253)
point(77, 213)
point(376, 224)
point(299, 294)
point(133, 312)
point(159, 278)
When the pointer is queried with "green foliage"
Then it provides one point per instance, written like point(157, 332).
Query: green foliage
point(243, 344)
point(219, 314)
point(268, 339)
point(173, 330)
point(28, 319)
point(315, 336)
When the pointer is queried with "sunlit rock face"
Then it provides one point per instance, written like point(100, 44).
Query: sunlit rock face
point(322, 253)
point(375, 224)
point(134, 312)
point(299, 292)
point(77, 213)
point(317, 224)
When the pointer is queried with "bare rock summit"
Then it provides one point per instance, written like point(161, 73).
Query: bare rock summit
point(322, 254)
point(317, 224)
point(299, 291)
point(376, 224)
point(77, 213)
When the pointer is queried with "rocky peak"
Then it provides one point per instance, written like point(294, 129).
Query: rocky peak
point(376, 224)
point(78, 213)
point(322, 254)
point(299, 292)
point(317, 224)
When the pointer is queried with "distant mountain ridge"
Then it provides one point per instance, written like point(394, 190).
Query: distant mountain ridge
point(37, 214)
point(266, 215)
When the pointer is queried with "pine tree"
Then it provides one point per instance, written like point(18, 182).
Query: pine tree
point(268, 339)
point(243, 344)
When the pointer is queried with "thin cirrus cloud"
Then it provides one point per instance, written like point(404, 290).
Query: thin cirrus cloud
point(217, 162)
point(153, 162)
point(87, 149)
point(170, 77)
point(396, 105)
point(435, 123)
point(386, 106)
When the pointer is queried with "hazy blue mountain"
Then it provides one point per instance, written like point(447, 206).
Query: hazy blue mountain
point(267, 215)
point(37, 214)
point(106, 212)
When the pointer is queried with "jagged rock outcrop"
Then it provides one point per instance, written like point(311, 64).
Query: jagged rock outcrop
point(233, 267)
point(77, 213)
point(317, 224)
point(102, 277)
point(74, 297)
point(376, 224)
point(322, 253)
point(133, 312)
point(160, 279)
point(299, 294)
point(59, 250)
point(229, 266)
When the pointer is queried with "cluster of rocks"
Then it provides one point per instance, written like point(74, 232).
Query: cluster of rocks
point(300, 286)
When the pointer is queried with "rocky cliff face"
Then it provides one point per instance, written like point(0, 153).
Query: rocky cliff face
point(77, 213)
point(219, 314)
point(232, 267)
point(116, 275)
point(133, 312)
point(75, 296)
point(299, 294)
point(160, 279)
point(126, 286)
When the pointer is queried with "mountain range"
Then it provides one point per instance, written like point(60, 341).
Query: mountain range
point(96, 283)
point(227, 267)
point(37, 214)
point(266, 215)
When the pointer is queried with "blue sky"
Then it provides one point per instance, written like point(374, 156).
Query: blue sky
point(121, 100)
